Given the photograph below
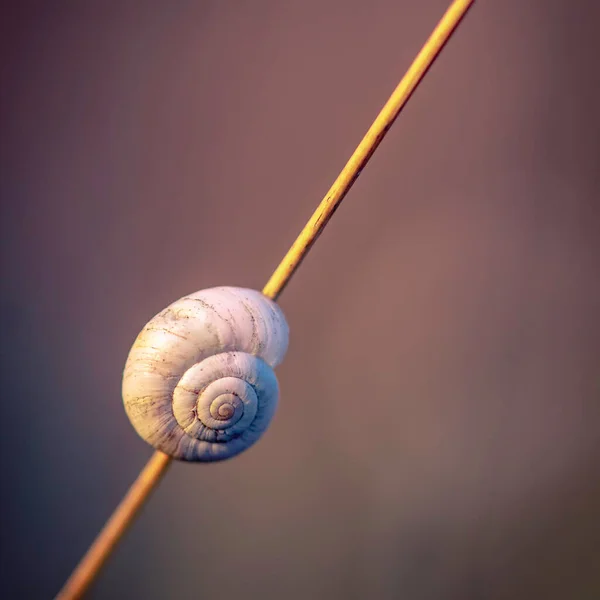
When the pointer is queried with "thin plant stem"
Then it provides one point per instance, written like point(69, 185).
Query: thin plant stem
point(308, 236)
point(88, 569)
point(114, 529)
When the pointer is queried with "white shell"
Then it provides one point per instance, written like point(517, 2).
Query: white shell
point(199, 382)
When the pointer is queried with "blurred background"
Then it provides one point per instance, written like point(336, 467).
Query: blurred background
point(438, 433)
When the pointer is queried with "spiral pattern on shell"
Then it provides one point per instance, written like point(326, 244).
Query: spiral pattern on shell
point(199, 383)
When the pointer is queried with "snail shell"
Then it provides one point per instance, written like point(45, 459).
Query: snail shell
point(199, 382)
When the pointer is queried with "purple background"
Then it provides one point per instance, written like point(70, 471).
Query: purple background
point(439, 426)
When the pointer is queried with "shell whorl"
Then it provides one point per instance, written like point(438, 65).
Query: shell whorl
point(199, 383)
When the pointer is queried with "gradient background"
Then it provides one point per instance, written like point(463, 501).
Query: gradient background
point(439, 427)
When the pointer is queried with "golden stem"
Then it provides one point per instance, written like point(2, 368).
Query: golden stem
point(90, 565)
point(308, 236)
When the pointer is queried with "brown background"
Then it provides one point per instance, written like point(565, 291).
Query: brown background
point(438, 432)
